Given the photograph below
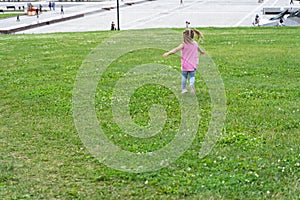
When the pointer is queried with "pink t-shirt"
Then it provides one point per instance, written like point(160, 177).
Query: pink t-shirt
point(189, 56)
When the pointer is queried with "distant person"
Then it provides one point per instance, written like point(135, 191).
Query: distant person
point(280, 22)
point(189, 58)
point(61, 9)
point(187, 24)
point(113, 26)
point(37, 12)
point(256, 20)
point(292, 2)
point(53, 5)
point(18, 18)
point(50, 5)
point(40, 8)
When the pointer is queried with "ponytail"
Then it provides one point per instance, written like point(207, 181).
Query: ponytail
point(199, 34)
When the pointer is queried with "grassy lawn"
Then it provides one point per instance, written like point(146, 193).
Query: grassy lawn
point(9, 15)
point(43, 157)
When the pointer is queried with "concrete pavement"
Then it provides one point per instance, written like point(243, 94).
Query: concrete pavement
point(71, 11)
point(148, 14)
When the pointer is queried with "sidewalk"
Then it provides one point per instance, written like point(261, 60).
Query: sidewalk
point(72, 10)
point(94, 16)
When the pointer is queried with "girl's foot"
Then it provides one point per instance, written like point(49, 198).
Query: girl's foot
point(184, 91)
point(193, 91)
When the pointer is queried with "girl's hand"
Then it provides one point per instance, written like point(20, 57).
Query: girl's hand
point(173, 51)
point(165, 54)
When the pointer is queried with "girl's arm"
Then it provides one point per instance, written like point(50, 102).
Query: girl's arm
point(201, 51)
point(175, 50)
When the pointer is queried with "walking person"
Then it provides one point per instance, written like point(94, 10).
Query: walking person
point(256, 21)
point(40, 8)
point(189, 58)
point(37, 12)
point(187, 24)
point(61, 9)
point(53, 5)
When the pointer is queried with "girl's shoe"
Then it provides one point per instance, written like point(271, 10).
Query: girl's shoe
point(193, 91)
point(184, 91)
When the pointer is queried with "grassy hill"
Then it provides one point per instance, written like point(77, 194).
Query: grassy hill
point(258, 157)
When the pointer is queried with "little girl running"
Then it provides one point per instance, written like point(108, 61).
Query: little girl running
point(189, 57)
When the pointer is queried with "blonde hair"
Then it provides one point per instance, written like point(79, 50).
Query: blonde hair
point(188, 35)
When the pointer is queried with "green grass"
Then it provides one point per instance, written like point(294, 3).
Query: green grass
point(42, 156)
point(9, 15)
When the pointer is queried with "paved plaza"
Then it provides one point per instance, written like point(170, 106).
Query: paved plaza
point(142, 14)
